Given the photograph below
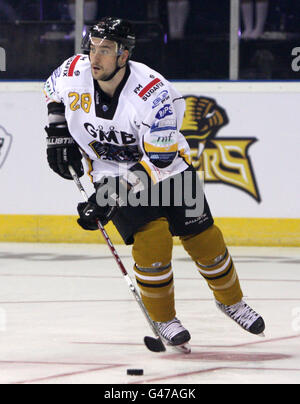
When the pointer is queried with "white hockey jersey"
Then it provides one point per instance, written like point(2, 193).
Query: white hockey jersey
point(141, 123)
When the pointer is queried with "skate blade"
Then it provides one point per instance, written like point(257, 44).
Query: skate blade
point(262, 335)
point(184, 348)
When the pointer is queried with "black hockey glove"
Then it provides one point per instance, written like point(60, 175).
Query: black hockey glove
point(90, 211)
point(62, 151)
point(112, 193)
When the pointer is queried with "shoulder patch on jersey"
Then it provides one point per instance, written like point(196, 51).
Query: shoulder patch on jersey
point(70, 65)
point(145, 92)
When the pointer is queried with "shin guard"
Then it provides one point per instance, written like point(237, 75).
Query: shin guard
point(215, 264)
point(152, 252)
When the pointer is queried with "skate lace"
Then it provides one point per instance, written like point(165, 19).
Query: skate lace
point(242, 313)
point(171, 328)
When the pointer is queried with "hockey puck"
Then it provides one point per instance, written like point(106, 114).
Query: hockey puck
point(135, 372)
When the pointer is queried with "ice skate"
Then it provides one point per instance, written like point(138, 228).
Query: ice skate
point(244, 316)
point(175, 335)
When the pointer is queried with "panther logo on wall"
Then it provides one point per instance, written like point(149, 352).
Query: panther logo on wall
point(224, 160)
point(5, 144)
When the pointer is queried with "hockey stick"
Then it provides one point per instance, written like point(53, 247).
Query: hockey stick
point(153, 344)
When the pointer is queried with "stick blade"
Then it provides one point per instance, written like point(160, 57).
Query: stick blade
point(154, 344)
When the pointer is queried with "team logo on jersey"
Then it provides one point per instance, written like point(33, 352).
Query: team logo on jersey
point(5, 144)
point(110, 136)
point(224, 160)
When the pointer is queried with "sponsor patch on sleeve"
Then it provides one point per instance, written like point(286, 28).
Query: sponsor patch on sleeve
point(149, 89)
point(164, 111)
point(166, 124)
point(70, 65)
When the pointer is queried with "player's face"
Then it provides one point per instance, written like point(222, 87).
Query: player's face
point(103, 56)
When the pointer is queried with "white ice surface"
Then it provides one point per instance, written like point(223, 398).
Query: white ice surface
point(68, 317)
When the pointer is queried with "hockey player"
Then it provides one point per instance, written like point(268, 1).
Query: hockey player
point(125, 119)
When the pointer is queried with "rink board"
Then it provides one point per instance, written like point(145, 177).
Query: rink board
point(250, 160)
point(64, 229)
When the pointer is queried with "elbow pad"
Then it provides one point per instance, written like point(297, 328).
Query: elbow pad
point(56, 115)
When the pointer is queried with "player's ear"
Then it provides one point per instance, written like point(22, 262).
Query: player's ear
point(123, 59)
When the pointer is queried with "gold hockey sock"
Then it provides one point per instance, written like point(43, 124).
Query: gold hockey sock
point(215, 264)
point(152, 252)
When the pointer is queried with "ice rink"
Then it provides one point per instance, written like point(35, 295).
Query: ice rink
point(68, 317)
